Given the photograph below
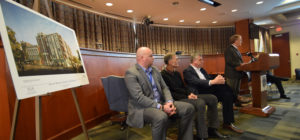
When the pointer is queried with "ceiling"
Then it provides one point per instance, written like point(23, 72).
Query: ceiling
point(283, 15)
point(189, 10)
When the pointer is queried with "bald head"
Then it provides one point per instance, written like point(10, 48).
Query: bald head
point(142, 51)
point(144, 57)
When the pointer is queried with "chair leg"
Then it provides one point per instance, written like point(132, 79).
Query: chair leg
point(127, 134)
point(123, 126)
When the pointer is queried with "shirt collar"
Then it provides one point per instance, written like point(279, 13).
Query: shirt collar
point(169, 72)
point(235, 46)
point(146, 70)
point(195, 67)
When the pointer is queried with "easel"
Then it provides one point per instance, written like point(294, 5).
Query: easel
point(38, 117)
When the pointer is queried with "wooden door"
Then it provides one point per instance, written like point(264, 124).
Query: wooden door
point(281, 45)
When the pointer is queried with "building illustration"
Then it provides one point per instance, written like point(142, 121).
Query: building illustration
point(54, 50)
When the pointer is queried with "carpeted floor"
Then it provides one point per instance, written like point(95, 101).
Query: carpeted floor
point(283, 124)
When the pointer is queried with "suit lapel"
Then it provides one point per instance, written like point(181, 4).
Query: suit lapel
point(237, 52)
point(205, 74)
point(155, 76)
point(194, 72)
point(144, 76)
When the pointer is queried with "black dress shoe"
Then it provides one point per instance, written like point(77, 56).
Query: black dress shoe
point(285, 97)
point(238, 104)
point(201, 139)
point(215, 134)
point(233, 128)
point(283, 79)
point(197, 138)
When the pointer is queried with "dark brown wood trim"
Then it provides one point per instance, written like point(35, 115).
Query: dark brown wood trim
point(1, 44)
point(95, 52)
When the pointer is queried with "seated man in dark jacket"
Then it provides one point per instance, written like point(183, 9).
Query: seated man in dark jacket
point(179, 92)
point(197, 78)
point(277, 81)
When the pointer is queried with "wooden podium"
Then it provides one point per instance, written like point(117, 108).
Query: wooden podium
point(258, 70)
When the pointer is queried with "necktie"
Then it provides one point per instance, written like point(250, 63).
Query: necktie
point(154, 87)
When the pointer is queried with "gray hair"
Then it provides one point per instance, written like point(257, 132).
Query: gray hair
point(193, 56)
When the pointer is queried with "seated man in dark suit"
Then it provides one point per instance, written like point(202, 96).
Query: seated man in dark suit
point(277, 81)
point(197, 78)
point(181, 93)
point(150, 100)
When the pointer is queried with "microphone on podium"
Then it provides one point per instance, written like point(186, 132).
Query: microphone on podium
point(253, 59)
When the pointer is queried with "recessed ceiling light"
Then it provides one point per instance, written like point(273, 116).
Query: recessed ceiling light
point(198, 21)
point(181, 20)
point(260, 2)
point(109, 4)
point(298, 17)
point(129, 11)
point(175, 3)
point(288, 1)
point(165, 19)
point(271, 27)
point(202, 9)
point(214, 22)
point(234, 10)
point(262, 23)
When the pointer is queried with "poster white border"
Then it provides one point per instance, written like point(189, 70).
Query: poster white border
point(30, 86)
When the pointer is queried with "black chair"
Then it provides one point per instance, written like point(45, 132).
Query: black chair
point(117, 96)
point(297, 72)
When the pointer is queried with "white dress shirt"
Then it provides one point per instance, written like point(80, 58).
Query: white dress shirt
point(199, 73)
point(235, 46)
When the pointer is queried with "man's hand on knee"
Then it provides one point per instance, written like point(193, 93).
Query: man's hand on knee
point(169, 108)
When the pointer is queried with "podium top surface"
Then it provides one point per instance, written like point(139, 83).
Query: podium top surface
point(265, 62)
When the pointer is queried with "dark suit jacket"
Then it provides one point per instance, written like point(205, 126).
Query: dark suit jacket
point(233, 58)
point(175, 83)
point(195, 83)
point(141, 93)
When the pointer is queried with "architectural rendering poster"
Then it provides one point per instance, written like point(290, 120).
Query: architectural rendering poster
point(43, 55)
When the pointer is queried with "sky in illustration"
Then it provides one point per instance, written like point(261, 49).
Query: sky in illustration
point(27, 24)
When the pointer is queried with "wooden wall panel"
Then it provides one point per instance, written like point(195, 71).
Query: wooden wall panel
point(59, 116)
point(4, 102)
point(214, 64)
point(242, 28)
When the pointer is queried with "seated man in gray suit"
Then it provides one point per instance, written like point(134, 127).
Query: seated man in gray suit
point(150, 100)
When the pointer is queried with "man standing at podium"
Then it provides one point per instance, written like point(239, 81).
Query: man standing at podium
point(233, 59)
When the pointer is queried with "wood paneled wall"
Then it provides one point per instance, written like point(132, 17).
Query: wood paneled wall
point(242, 28)
point(4, 102)
point(59, 116)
